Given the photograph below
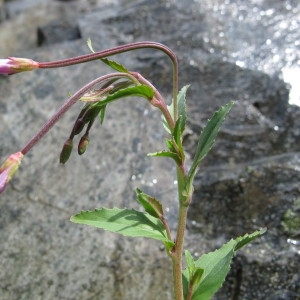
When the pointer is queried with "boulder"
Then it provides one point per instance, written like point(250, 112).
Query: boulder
point(249, 180)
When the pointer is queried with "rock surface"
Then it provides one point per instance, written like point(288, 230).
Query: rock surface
point(249, 180)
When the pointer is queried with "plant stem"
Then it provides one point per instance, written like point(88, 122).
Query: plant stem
point(157, 101)
point(176, 252)
point(118, 50)
point(72, 100)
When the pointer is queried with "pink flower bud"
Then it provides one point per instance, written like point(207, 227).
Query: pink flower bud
point(13, 65)
point(9, 168)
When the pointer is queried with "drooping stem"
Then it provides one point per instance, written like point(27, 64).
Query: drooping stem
point(118, 50)
point(157, 101)
point(71, 101)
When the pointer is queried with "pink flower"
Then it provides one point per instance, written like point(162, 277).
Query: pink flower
point(13, 65)
point(9, 168)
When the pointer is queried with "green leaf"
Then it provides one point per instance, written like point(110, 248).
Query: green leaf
point(144, 91)
point(164, 121)
point(190, 262)
point(177, 132)
point(89, 43)
point(182, 106)
point(216, 266)
point(124, 221)
point(194, 273)
point(102, 113)
point(181, 100)
point(166, 154)
point(207, 139)
point(247, 238)
point(196, 277)
point(170, 145)
point(113, 64)
point(151, 205)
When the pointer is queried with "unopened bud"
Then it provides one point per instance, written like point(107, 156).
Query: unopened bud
point(83, 143)
point(79, 125)
point(9, 168)
point(14, 65)
point(66, 151)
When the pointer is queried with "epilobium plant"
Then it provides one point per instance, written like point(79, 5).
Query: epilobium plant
point(202, 277)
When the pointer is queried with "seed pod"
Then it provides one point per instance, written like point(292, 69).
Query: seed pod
point(66, 151)
point(83, 143)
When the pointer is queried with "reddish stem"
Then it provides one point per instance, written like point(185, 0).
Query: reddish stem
point(118, 50)
point(72, 100)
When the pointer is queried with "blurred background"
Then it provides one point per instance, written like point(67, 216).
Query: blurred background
point(246, 51)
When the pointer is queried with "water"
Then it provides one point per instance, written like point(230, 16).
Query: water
point(257, 34)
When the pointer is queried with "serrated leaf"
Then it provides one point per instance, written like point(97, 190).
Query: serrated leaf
point(113, 64)
point(216, 266)
point(151, 205)
point(127, 222)
point(165, 154)
point(207, 139)
point(247, 238)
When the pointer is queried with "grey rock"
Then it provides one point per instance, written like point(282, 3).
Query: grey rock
point(249, 180)
point(57, 32)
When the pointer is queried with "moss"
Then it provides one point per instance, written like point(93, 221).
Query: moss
point(291, 219)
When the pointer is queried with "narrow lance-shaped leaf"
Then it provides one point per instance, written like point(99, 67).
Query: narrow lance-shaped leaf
point(194, 273)
point(181, 100)
point(144, 91)
point(151, 205)
point(177, 133)
point(102, 113)
point(182, 106)
point(207, 139)
point(113, 64)
point(126, 222)
point(190, 262)
point(216, 266)
point(169, 154)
